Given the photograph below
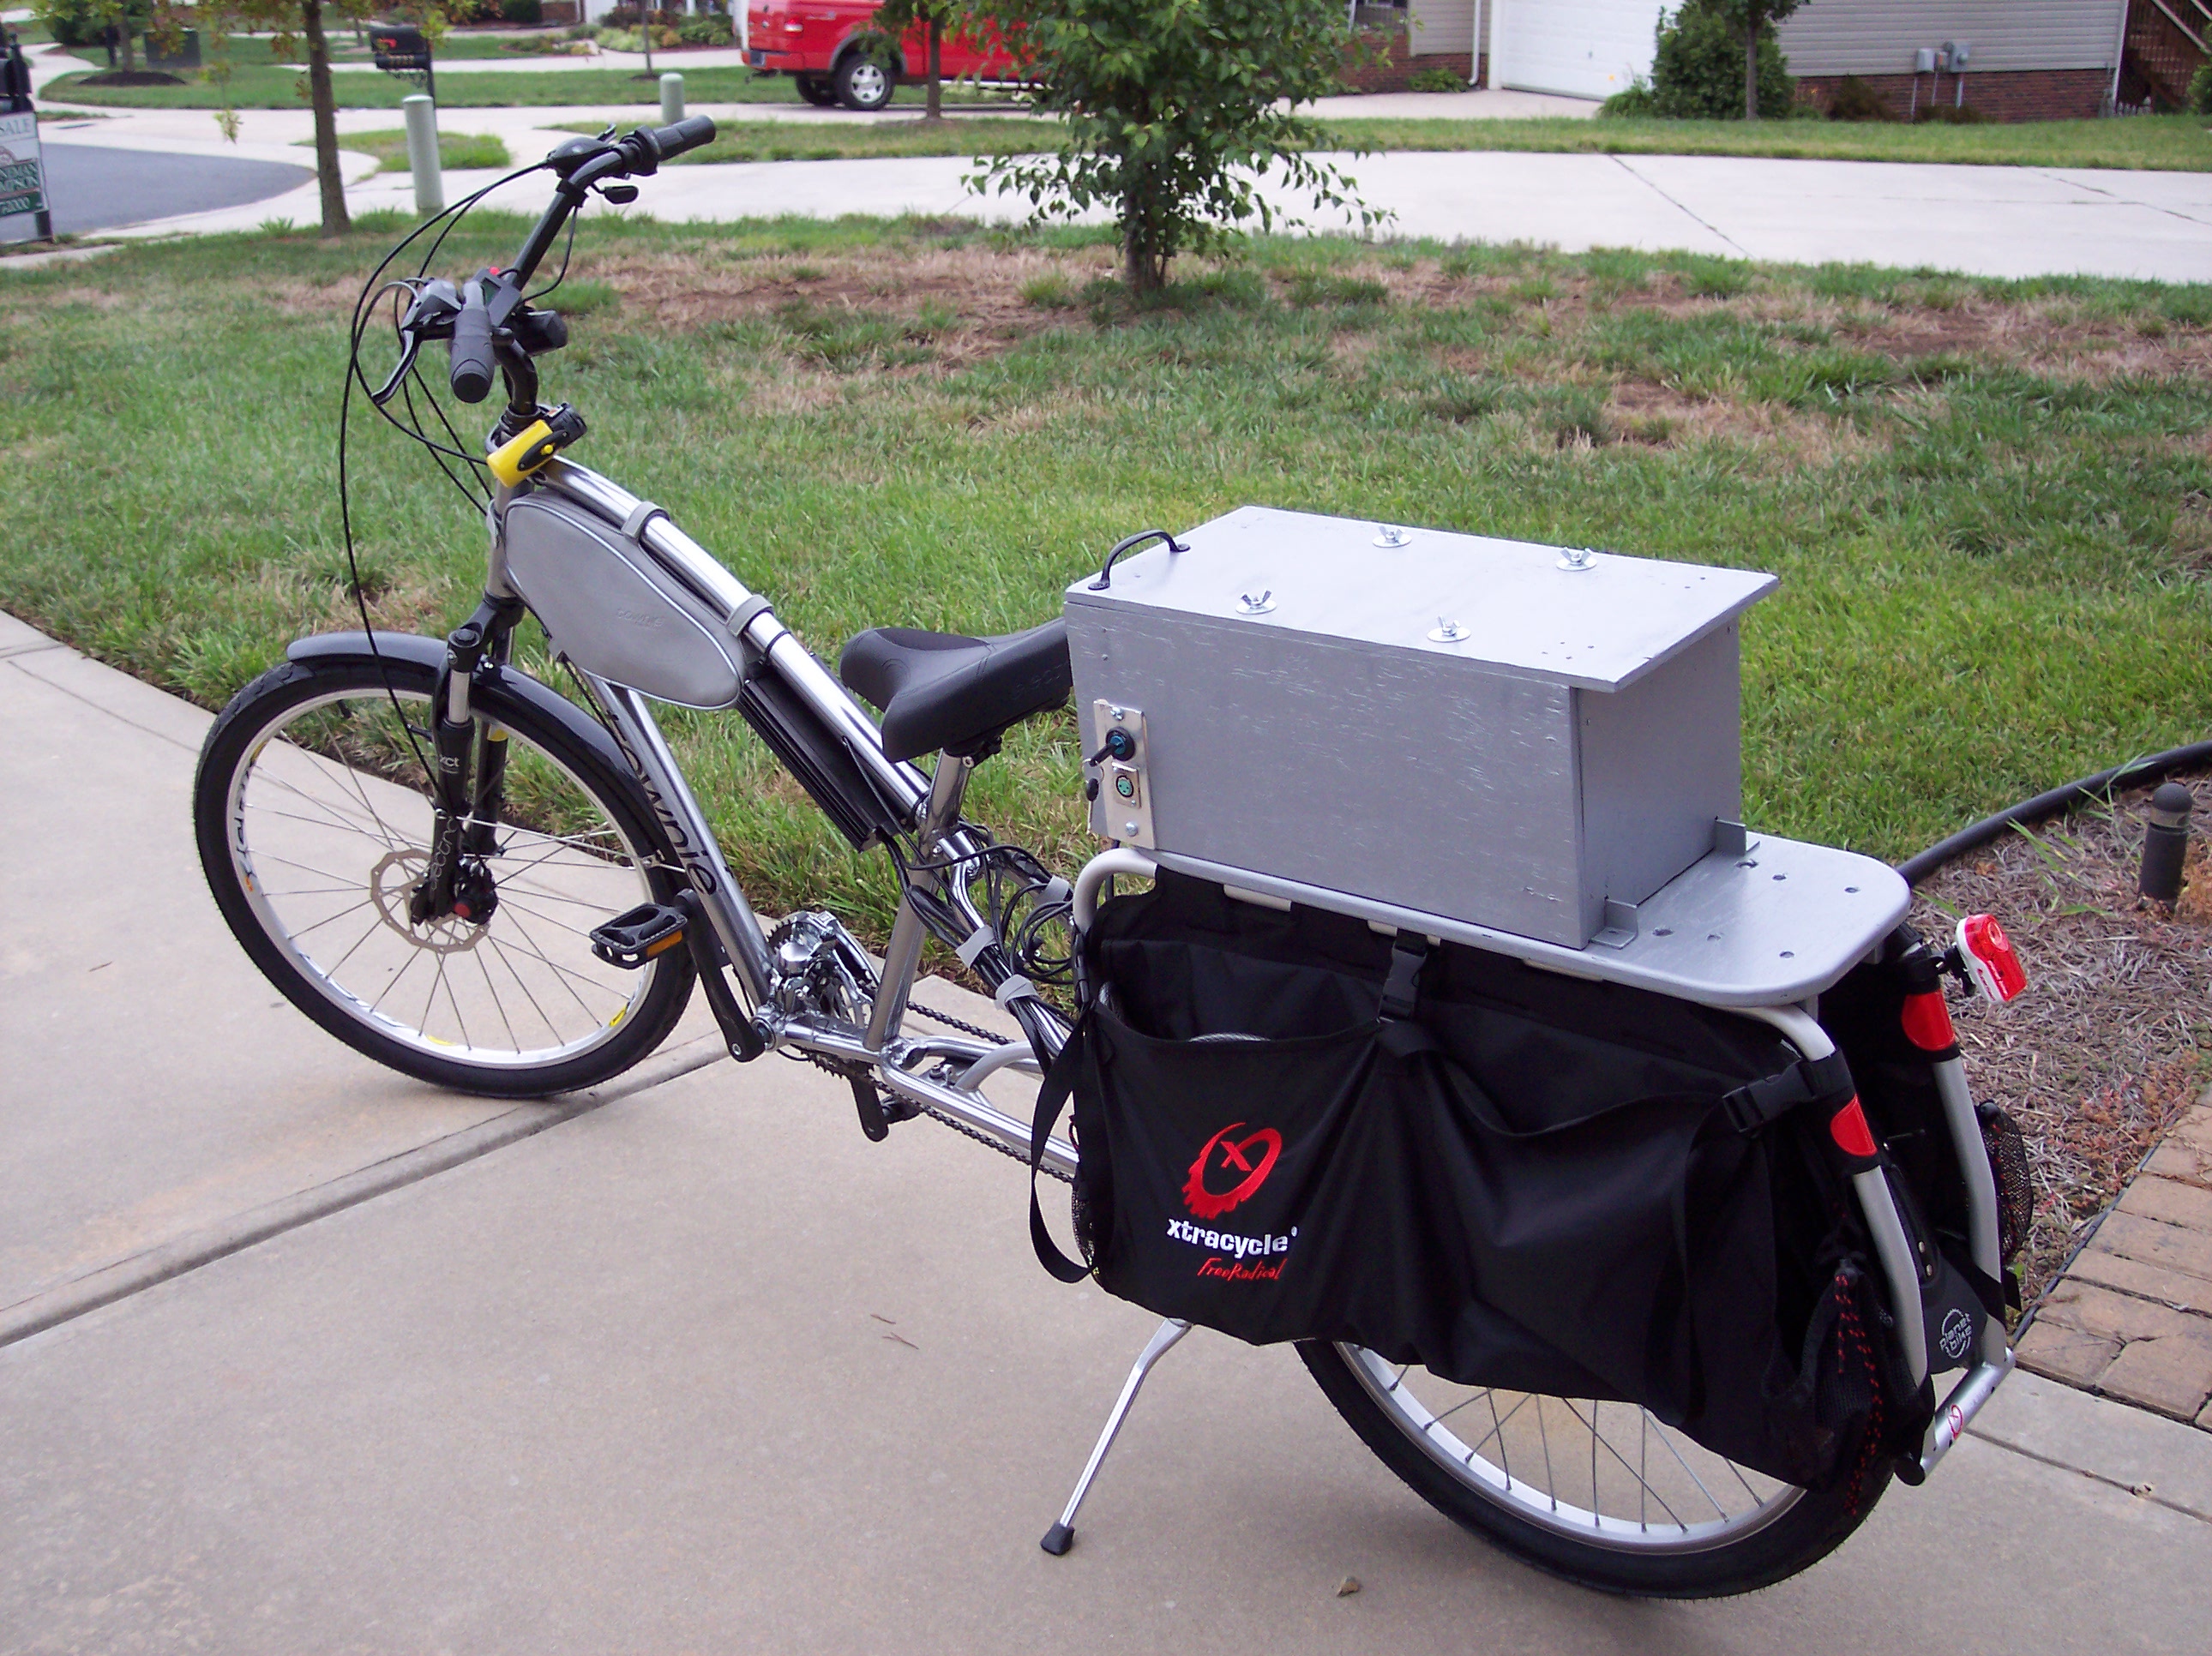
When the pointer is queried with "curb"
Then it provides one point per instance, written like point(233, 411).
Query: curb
point(211, 1243)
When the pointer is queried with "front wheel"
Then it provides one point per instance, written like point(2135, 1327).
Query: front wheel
point(1599, 1494)
point(863, 83)
point(313, 814)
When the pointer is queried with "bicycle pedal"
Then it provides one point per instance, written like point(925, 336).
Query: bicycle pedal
point(629, 940)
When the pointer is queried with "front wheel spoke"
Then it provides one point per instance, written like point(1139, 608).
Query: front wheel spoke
point(507, 901)
point(393, 982)
point(498, 1006)
point(296, 932)
point(561, 973)
point(334, 814)
point(551, 1028)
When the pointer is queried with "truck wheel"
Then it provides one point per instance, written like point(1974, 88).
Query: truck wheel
point(816, 90)
point(863, 83)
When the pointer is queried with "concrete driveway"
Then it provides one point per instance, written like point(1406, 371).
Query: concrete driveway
point(332, 1362)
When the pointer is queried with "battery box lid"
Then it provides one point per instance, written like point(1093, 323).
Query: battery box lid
point(1594, 620)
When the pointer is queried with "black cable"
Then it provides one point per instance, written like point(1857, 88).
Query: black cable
point(2134, 773)
point(363, 313)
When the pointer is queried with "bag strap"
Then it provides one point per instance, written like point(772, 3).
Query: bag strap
point(1401, 990)
point(1809, 1081)
point(1052, 1098)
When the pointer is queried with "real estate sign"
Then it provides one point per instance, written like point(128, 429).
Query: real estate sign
point(22, 167)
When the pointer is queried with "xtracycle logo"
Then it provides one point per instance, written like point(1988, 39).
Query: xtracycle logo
point(1223, 1156)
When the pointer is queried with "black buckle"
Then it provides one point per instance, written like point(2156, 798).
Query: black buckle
point(1401, 990)
point(1809, 1081)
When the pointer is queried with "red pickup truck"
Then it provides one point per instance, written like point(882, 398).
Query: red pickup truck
point(825, 45)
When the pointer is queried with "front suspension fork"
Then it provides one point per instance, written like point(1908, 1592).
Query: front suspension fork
point(468, 781)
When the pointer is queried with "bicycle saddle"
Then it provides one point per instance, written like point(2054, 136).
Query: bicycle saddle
point(947, 692)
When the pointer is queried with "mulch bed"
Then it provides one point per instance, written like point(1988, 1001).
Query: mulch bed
point(2113, 1038)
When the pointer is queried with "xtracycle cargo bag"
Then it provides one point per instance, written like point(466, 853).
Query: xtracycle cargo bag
point(1294, 1128)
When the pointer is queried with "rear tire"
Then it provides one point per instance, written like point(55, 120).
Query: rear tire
point(863, 83)
point(816, 90)
point(1721, 1534)
point(312, 813)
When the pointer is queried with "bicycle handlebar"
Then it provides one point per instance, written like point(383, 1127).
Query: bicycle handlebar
point(472, 347)
point(478, 328)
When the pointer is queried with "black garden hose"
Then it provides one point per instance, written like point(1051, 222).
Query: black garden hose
point(2132, 774)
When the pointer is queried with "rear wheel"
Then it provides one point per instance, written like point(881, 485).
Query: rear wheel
point(863, 83)
point(313, 815)
point(816, 90)
point(1600, 1494)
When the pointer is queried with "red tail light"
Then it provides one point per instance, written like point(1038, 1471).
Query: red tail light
point(1928, 1021)
point(1987, 954)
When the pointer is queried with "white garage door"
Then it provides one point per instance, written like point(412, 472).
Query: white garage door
point(1584, 48)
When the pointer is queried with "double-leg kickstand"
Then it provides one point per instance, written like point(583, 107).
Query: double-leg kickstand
point(1061, 1535)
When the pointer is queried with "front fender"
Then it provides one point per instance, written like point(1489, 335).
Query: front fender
point(492, 684)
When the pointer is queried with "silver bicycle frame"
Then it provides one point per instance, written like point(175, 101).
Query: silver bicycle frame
point(900, 1062)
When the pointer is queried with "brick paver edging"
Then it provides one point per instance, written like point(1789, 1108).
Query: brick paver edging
point(2131, 1317)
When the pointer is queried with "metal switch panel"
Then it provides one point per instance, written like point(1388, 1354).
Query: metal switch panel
point(1124, 809)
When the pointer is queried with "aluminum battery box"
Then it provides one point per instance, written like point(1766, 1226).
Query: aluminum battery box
point(1510, 735)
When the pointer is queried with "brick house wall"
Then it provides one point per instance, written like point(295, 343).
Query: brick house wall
point(2023, 94)
point(1402, 63)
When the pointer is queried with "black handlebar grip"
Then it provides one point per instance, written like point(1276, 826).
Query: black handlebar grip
point(689, 133)
point(471, 348)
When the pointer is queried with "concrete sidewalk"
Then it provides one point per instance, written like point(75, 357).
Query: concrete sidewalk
point(700, 1368)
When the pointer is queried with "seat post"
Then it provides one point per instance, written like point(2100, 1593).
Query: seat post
point(940, 815)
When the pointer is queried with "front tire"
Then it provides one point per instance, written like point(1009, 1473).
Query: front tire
point(313, 813)
point(1600, 1495)
point(863, 83)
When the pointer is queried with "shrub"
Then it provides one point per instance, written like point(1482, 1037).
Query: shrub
point(710, 31)
point(1174, 111)
point(1855, 101)
point(1696, 72)
point(1435, 79)
point(521, 12)
point(2200, 90)
point(1635, 104)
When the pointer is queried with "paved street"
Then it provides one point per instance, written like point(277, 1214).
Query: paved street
point(98, 188)
point(689, 1364)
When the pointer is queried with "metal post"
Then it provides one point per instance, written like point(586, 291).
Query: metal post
point(423, 153)
point(671, 98)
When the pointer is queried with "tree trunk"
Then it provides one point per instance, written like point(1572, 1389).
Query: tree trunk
point(129, 47)
point(933, 109)
point(1751, 65)
point(319, 95)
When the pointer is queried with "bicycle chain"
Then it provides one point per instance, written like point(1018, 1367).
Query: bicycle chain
point(837, 1067)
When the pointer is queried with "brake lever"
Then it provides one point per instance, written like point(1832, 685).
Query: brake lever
point(411, 343)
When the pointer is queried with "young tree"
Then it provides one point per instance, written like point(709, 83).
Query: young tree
point(895, 17)
point(297, 22)
point(1174, 111)
point(1752, 19)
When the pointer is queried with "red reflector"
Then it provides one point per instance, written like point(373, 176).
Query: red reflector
point(1928, 1021)
point(1848, 1127)
point(1988, 956)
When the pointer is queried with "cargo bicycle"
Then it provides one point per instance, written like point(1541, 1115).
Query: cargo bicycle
point(491, 886)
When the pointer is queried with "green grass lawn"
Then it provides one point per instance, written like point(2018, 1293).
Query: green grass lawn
point(1990, 503)
point(2178, 143)
point(455, 150)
